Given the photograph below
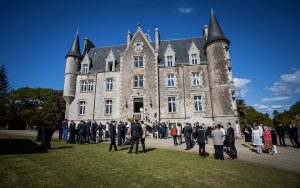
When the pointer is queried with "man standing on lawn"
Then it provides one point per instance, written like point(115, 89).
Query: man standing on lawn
point(112, 135)
point(187, 135)
point(217, 135)
point(136, 133)
point(144, 131)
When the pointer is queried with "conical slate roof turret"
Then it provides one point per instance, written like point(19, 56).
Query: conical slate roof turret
point(75, 48)
point(214, 31)
point(87, 46)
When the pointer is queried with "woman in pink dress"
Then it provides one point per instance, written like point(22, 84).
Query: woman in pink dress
point(267, 136)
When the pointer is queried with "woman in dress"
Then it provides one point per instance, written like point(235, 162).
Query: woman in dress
point(268, 140)
point(257, 139)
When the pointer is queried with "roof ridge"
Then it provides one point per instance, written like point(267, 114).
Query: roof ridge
point(185, 38)
point(111, 46)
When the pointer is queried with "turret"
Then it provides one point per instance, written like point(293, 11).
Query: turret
point(157, 39)
point(221, 86)
point(73, 58)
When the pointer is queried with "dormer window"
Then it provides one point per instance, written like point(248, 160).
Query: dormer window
point(85, 69)
point(194, 54)
point(169, 56)
point(170, 61)
point(138, 61)
point(194, 59)
point(110, 62)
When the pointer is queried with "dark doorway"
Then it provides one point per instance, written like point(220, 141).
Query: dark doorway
point(138, 103)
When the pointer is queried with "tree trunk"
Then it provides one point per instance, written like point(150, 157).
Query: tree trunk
point(46, 137)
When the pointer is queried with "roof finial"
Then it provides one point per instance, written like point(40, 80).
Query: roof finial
point(139, 24)
point(212, 11)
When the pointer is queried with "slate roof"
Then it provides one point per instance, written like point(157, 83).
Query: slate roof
point(180, 46)
point(75, 48)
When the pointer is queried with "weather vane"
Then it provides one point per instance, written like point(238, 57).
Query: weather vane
point(139, 24)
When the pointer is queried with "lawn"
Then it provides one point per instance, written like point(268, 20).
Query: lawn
point(22, 165)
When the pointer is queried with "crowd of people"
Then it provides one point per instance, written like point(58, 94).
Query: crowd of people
point(264, 137)
point(136, 132)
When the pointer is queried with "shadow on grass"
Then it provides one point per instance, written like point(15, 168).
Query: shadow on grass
point(62, 147)
point(19, 146)
point(149, 149)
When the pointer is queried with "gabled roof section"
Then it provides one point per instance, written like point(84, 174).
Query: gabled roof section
point(214, 31)
point(87, 46)
point(75, 48)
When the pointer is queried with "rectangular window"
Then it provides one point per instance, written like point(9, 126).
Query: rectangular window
point(138, 81)
point(109, 84)
point(170, 61)
point(171, 80)
point(81, 107)
point(85, 68)
point(138, 61)
point(196, 79)
point(90, 85)
point(83, 86)
point(171, 104)
point(108, 106)
point(194, 59)
point(198, 103)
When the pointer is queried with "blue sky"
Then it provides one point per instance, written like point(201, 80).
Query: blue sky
point(35, 35)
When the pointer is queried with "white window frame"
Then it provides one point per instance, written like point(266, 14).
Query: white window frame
point(198, 107)
point(171, 80)
point(171, 104)
point(90, 85)
point(194, 59)
point(170, 61)
point(138, 81)
point(138, 62)
point(108, 106)
point(196, 79)
point(82, 108)
point(109, 84)
point(83, 85)
point(85, 68)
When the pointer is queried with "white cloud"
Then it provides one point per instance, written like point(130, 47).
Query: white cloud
point(271, 108)
point(275, 99)
point(241, 86)
point(289, 84)
point(185, 10)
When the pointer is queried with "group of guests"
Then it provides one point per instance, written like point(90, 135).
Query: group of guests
point(264, 137)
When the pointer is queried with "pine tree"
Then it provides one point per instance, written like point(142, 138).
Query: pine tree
point(4, 97)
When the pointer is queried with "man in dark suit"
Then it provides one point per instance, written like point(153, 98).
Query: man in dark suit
point(280, 132)
point(82, 130)
point(136, 133)
point(120, 126)
point(231, 139)
point(112, 135)
point(187, 135)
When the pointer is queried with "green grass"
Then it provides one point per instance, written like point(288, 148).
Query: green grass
point(93, 166)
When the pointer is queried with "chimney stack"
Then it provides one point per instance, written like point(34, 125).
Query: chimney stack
point(129, 37)
point(157, 39)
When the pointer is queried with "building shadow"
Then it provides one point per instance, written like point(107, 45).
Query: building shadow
point(19, 146)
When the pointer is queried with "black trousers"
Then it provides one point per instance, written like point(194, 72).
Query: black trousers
point(219, 152)
point(281, 140)
point(232, 150)
point(112, 143)
point(119, 140)
point(136, 141)
point(202, 149)
point(188, 142)
point(143, 144)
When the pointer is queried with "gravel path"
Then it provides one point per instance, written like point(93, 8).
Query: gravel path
point(288, 158)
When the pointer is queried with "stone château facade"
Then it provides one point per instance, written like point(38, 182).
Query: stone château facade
point(182, 80)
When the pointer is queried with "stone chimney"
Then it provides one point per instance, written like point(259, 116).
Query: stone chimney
point(205, 31)
point(129, 37)
point(157, 39)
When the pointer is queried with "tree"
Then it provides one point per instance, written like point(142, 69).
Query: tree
point(295, 109)
point(29, 103)
point(4, 97)
point(53, 111)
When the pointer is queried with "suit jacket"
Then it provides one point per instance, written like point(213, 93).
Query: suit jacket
point(217, 137)
point(230, 134)
point(136, 130)
point(112, 131)
point(188, 131)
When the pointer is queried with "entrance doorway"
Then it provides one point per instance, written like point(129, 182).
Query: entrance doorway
point(138, 103)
